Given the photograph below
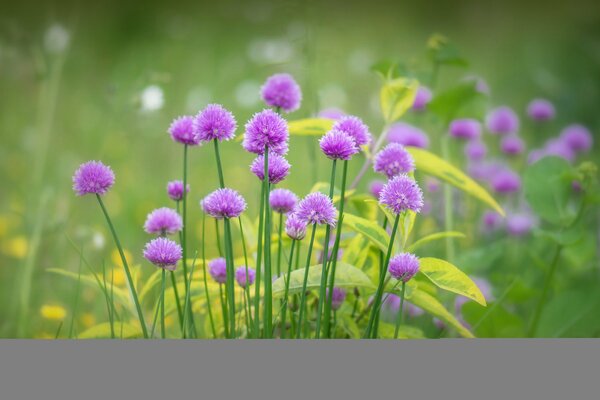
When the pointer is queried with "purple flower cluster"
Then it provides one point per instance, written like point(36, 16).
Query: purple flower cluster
point(506, 181)
point(403, 266)
point(93, 177)
point(163, 221)
point(295, 227)
point(278, 168)
point(402, 193)
point(540, 110)
point(214, 122)
point(266, 129)
point(282, 91)
point(422, 98)
point(502, 120)
point(392, 160)
point(467, 129)
point(354, 127)
point(282, 201)
point(245, 280)
point(182, 131)
point(317, 208)
point(163, 253)
point(375, 188)
point(512, 145)
point(519, 224)
point(217, 268)
point(407, 135)
point(175, 190)
point(224, 203)
point(338, 297)
point(475, 150)
point(338, 145)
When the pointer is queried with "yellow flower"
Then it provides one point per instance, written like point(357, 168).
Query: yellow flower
point(116, 257)
point(55, 313)
point(16, 247)
point(118, 276)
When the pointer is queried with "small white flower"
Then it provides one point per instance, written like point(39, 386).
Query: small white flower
point(56, 39)
point(152, 98)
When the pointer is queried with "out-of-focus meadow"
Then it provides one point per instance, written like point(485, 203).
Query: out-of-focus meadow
point(103, 80)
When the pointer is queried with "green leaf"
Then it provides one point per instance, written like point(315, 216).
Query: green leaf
point(446, 276)
point(377, 235)
point(496, 324)
point(396, 97)
point(442, 51)
point(430, 304)
point(433, 165)
point(346, 275)
point(102, 331)
point(547, 188)
point(386, 331)
point(462, 100)
point(310, 126)
point(366, 206)
point(432, 237)
point(323, 187)
point(571, 314)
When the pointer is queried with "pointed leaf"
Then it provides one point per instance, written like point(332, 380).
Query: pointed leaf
point(430, 304)
point(396, 97)
point(370, 229)
point(432, 237)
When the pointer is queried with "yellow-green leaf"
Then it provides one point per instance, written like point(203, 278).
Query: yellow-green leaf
point(370, 229)
point(446, 276)
point(433, 165)
point(431, 305)
point(310, 126)
point(396, 97)
point(386, 331)
point(89, 280)
point(432, 237)
point(102, 331)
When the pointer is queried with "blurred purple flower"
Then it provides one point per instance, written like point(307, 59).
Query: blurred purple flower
point(432, 185)
point(175, 190)
point(466, 128)
point(266, 129)
point(163, 221)
point(93, 177)
point(407, 135)
point(519, 224)
point(338, 145)
point(422, 98)
point(163, 253)
point(354, 127)
point(502, 120)
point(242, 279)
point(512, 145)
point(540, 110)
point(375, 188)
point(559, 148)
point(331, 113)
point(317, 208)
point(282, 91)
point(392, 160)
point(491, 221)
point(182, 131)
point(217, 268)
point(214, 122)
point(338, 297)
point(506, 181)
point(402, 193)
point(577, 138)
point(282, 201)
point(475, 150)
point(278, 168)
point(224, 203)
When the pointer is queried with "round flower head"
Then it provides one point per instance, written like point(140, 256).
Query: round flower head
point(282, 91)
point(282, 201)
point(175, 190)
point(214, 122)
point(506, 181)
point(163, 253)
point(354, 127)
point(512, 145)
point(559, 148)
point(217, 268)
point(338, 145)
point(466, 128)
point(540, 110)
point(93, 177)
point(338, 297)
point(295, 227)
point(182, 131)
point(402, 193)
point(331, 113)
point(278, 168)
point(475, 150)
point(317, 208)
point(491, 221)
point(422, 98)
point(392, 160)
point(502, 120)
point(242, 279)
point(163, 221)
point(403, 266)
point(519, 224)
point(407, 135)
point(577, 138)
point(266, 129)
point(376, 187)
point(224, 203)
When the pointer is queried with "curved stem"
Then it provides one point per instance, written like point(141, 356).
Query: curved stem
point(303, 293)
point(284, 303)
point(400, 316)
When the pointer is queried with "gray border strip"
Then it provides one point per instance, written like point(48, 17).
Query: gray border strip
point(465, 369)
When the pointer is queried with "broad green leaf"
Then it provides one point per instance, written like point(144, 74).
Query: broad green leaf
point(366, 206)
point(432, 237)
point(442, 51)
point(448, 277)
point(370, 229)
point(386, 331)
point(352, 252)
point(430, 304)
point(571, 314)
point(310, 126)
point(460, 101)
point(346, 275)
point(389, 69)
point(102, 331)
point(407, 223)
point(396, 97)
point(498, 323)
point(433, 165)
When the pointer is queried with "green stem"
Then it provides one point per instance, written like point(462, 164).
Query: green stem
point(219, 167)
point(400, 316)
point(218, 236)
point(208, 305)
point(224, 311)
point(279, 242)
point(268, 309)
point(162, 304)
point(184, 230)
point(304, 283)
point(247, 288)
point(229, 283)
point(540, 306)
point(187, 307)
point(177, 302)
point(284, 303)
point(257, 281)
point(126, 268)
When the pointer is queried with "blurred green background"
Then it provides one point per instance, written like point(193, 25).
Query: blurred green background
point(103, 80)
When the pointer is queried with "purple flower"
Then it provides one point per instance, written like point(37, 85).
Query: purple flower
point(295, 227)
point(402, 193)
point(422, 98)
point(392, 160)
point(475, 150)
point(512, 145)
point(224, 203)
point(214, 122)
point(282, 201)
point(217, 268)
point(485, 170)
point(182, 131)
point(317, 208)
point(338, 297)
point(282, 91)
point(466, 128)
point(331, 113)
point(502, 120)
point(242, 279)
point(376, 187)
point(577, 138)
point(278, 168)
point(403, 266)
point(506, 181)
point(93, 177)
point(266, 129)
point(519, 224)
point(534, 155)
point(354, 127)
point(559, 148)
point(407, 135)
point(163, 253)
point(391, 306)
point(481, 85)
point(491, 221)
point(338, 145)
point(175, 190)
point(540, 110)
point(163, 221)
point(432, 185)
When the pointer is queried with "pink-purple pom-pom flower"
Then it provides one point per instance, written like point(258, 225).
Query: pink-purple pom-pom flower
point(577, 138)
point(407, 135)
point(217, 268)
point(375, 188)
point(182, 131)
point(465, 128)
point(403, 266)
point(317, 208)
point(402, 193)
point(559, 148)
point(278, 168)
point(512, 145)
point(282, 91)
point(491, 221)
point(540, 110)
point(266, 129)
point(506, 181)
point(93, 177)
point(338, 297)
point(295, 227)
point(163, 221)
point(354, 127)
point(519, 224)
point(392, 160)
point(502, 120)
point(282, 201)
point(245, 280)
point(214, 122)
point(475, 150)
point(422, 98)
point(163, 253)
point(224, 203)
point(175, 190)
point(338, 145)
